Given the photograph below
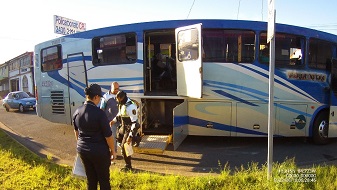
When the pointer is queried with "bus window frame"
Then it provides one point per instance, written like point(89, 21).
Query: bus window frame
point(327, 59)
point(95, 42)
point(58, 62)
point(303, 44)
point(227, 32)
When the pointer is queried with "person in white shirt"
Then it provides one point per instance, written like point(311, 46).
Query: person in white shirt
point(109, 106)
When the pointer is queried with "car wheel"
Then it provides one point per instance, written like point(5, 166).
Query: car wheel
point(7, 108)
point(21, 108)
point(321, 128)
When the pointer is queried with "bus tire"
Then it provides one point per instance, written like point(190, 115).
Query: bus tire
point(321, 128)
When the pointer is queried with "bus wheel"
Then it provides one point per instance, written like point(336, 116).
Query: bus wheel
point(321, 128)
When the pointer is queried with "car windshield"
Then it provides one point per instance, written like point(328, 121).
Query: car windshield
point(21, 95)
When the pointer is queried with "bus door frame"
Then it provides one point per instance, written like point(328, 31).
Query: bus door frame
point(189, 63)
point(75, 85)
point(189, 76)
point(333, 103)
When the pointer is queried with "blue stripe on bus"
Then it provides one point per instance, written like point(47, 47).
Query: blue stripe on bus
point(223, 127)
point(293, 110)
point(237, 87)
point(56, 76)
point(203, 123)
point(261, 99)
point(180, 120)
point(77, 58)
point(115, 79)
point(240, 89)
point(78, 88)
point(88, 58)
point(223, 93)
point(278, 81)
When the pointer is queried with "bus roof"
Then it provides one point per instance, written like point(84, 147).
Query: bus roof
point(206, 23)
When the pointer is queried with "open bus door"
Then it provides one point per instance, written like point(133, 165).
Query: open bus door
point(189, 61)
point(189, 76)
point(77, 81)
point(189, 84)
point(333, 105)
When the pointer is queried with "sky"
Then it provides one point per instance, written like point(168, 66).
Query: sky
point(27, 23)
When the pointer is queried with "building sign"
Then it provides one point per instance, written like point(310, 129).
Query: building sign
point(67, 26)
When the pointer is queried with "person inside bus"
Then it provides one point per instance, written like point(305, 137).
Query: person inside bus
point(95, 142)
point(163, 69)
point(264, 55)
point(109, 106)
point(122, 57)
point(158, 65)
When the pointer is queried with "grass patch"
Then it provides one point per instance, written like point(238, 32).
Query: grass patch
point(21, 169)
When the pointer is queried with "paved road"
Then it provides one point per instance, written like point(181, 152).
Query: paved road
point(195, 156)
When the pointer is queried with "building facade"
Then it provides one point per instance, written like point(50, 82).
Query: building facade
point(21, 73)
point(4, 82)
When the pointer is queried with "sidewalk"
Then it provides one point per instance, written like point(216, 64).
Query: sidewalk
point(37, 148)
point(44, 138)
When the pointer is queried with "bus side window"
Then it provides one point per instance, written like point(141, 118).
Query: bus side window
point(319, 53)
point(236, 46)
point(288, 50)
point(114, 49)
point(51, 58)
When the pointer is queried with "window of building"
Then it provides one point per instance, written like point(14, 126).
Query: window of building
point(51, 58)
point(115, 49)
point(25, 83)
point(289, 50)
point(228, 46)
point(25, 61)
point(14, 65)
point(320, 54)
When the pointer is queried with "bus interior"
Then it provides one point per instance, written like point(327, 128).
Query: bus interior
point(159, 80)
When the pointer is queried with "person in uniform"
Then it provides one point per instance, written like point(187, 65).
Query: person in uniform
point(109, 106)
point(128, 117)
point(95, 143)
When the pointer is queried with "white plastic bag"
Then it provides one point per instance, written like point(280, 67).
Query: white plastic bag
point(128, 149)
point(78, 169)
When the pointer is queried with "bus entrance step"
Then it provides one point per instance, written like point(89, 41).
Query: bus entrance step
point(153, 144)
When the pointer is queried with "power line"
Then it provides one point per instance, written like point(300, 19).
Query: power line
point(237, 16)
point(262, 10)
point(190, 9)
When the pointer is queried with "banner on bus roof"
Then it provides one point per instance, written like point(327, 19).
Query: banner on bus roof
point(66, 26)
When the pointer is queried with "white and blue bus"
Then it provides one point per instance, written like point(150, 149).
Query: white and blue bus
point(197, 77)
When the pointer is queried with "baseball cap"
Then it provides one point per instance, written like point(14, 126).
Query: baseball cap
point(94, 89)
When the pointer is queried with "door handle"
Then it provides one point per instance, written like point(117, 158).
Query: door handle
point(332, 113)
point(73, 103)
